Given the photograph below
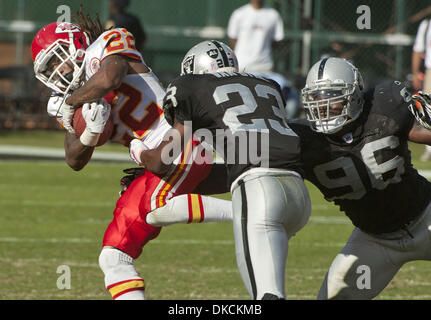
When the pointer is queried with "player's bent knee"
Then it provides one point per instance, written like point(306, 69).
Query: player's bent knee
point(297, 204)
point(162, 216)
point(296, 220)
point(121, 277)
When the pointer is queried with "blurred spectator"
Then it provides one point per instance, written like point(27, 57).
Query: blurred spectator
point(422, 53)
point(421, 59)
point(118, 18)
point(253, 29)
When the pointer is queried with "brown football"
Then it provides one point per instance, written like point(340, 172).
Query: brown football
point(79, 126)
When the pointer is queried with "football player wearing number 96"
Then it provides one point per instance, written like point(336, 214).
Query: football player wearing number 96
point(354, 148)
point(241, 114)
point(84, 63)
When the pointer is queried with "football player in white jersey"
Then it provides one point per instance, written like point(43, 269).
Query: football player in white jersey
point(87, 67)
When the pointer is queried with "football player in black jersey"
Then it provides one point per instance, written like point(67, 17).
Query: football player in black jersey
point(354, 148)
point(243, 117)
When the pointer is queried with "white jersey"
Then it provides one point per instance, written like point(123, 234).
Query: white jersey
point(136, 104)
point(255, 30)
point(423, 41)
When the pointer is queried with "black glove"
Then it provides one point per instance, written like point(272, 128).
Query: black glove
point(421, 108)
point(132, 174)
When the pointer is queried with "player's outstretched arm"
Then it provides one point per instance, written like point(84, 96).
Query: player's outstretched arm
point(77, 155)
point(419, 134)
point(158, 160)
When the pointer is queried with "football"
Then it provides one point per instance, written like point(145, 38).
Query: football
point(79, 126)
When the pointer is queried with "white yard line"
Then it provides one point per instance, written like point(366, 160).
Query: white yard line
point(330, 220)
point(56, 203)
point(160, 242)
point(50, 240)
point(29, 152)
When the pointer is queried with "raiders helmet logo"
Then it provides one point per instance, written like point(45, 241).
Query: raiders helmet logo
point(213, 53)
point(188, 65)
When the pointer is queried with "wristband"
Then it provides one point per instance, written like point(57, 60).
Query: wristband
point(89, 139)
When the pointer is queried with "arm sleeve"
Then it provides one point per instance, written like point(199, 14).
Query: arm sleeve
point(419, 45)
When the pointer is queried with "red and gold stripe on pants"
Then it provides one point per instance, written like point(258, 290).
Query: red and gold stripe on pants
point(176, 175)
point(119, 288)
point(196, 209)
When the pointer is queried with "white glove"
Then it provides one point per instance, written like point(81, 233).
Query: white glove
point(96, 114)
point(135, 149)
point(67, 113)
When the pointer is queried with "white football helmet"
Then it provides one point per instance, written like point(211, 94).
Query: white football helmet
point(332, 81)
point(208, 57)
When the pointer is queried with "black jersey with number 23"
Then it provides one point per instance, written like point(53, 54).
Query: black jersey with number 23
point(244, 114)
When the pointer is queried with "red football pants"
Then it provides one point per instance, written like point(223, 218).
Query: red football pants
point(128, 231)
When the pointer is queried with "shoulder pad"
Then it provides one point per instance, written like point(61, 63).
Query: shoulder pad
point(391, 94)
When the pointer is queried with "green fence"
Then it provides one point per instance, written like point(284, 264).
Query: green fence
point(172, 26)
point(329, 27)
point(313, 28)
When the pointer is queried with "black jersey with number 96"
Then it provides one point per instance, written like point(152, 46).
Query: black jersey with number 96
point(368, 171)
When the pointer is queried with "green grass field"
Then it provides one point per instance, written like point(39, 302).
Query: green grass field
point(52, 216)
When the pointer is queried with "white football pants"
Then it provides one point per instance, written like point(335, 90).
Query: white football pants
point(367, 263)
point(268, 209)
